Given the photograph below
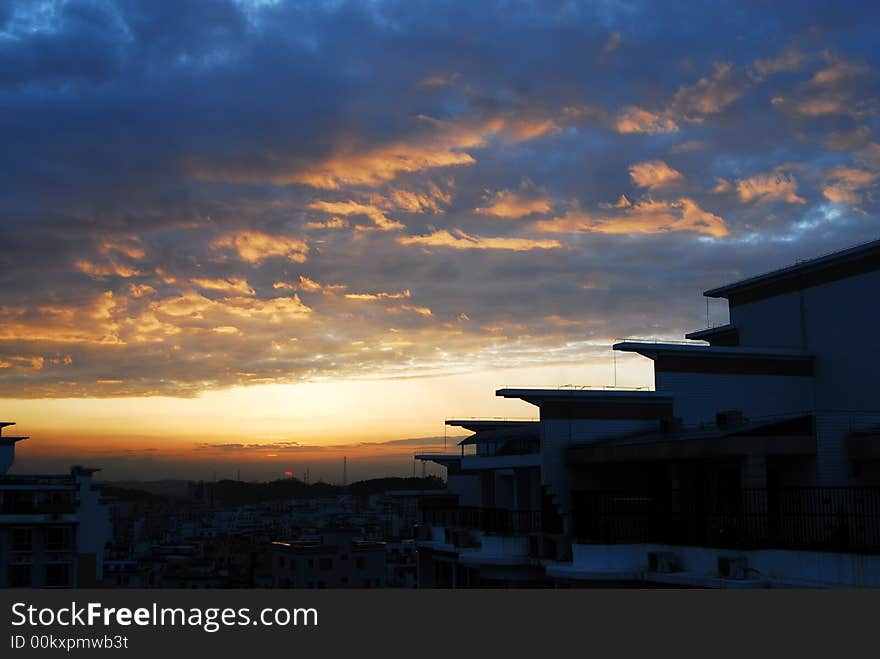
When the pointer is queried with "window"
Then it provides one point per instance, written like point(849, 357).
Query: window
point(58, 575)
point(19, 576)
point(58, 538)
point(326, 563)
point(359, 563)
point(22, 539)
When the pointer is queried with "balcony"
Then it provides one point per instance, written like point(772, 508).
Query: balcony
point(493, 521)
point(835, 519)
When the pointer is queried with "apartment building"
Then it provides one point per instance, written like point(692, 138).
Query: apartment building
point(754, 461)
point(53, 528)
point(331, 559)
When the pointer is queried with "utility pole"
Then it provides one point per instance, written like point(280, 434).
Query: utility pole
point(344, 471)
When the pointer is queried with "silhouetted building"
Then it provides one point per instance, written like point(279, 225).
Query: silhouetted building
point(755, 461)
point(53, 528)
point(332, 559)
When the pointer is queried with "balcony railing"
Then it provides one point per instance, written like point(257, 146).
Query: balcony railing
point(844, 519)
point(37, 508)
point(499, 521)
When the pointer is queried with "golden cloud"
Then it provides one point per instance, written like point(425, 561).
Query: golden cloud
point(643, 217)
point(255, 246)
point(637, 120)
point(654, 174)
point(377, 215)
point(332, 223)
point(378, 296)
point(444, 144)
point(458, 239)
point(108, 269)
point(89, 323)
point(515, 204)
point(709, 95)
point(232, 285)
point(847, 185)
point(764, 188)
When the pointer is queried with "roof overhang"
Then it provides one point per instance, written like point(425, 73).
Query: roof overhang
point(699, 358)
point(481, 425)
point(792, 436)
point(804, 274)
point(595, 403)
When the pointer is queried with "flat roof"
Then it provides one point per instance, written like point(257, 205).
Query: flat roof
point(438, 457)
point(809, 272)
point(651, 347)
point(603, 395)
point(707, 332)
point(480, 425)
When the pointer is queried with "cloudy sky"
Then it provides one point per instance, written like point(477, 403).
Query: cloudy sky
point(264, 233)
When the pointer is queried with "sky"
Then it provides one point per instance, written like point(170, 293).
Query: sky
point(261, 236)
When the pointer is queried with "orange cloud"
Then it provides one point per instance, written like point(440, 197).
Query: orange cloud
point(378, 296)
point(108, 269)
point(515, 204)
point(847, 185)
point(89, 323)
point(653, 174)
point(444, 144)
point(193, 306)
point(377, 215)
point(309, 286)
point(646, 216)
point(232, 285)
point(764, 188)
point(457, 239)
point(129, 246)
point(140, 290)
point(332, 223)
point(255, 246)
point(637, 120)
point(709, 95)
point(414, 201)
point(422, 311)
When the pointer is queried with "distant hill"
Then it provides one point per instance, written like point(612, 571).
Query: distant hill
point(240, 493)
point(237, 493)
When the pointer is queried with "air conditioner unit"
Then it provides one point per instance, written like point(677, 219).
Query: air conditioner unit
point(733, 567)
point(663, 561)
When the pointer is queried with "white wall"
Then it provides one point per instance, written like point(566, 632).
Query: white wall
point(698, 396)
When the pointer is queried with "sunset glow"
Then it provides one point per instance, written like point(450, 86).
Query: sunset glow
point(267, 236)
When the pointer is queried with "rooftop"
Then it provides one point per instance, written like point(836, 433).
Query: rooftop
point(585, 394)
point(803, 274)
point(652, 347)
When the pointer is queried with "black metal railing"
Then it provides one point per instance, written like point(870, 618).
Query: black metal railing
point(843, 519)
point(500, 521)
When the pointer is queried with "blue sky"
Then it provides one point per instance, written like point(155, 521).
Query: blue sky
point(203, 195)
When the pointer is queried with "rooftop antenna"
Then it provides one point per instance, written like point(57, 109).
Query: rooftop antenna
point(707, 313)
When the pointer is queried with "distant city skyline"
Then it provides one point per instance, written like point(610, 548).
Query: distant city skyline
point(264, 235)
